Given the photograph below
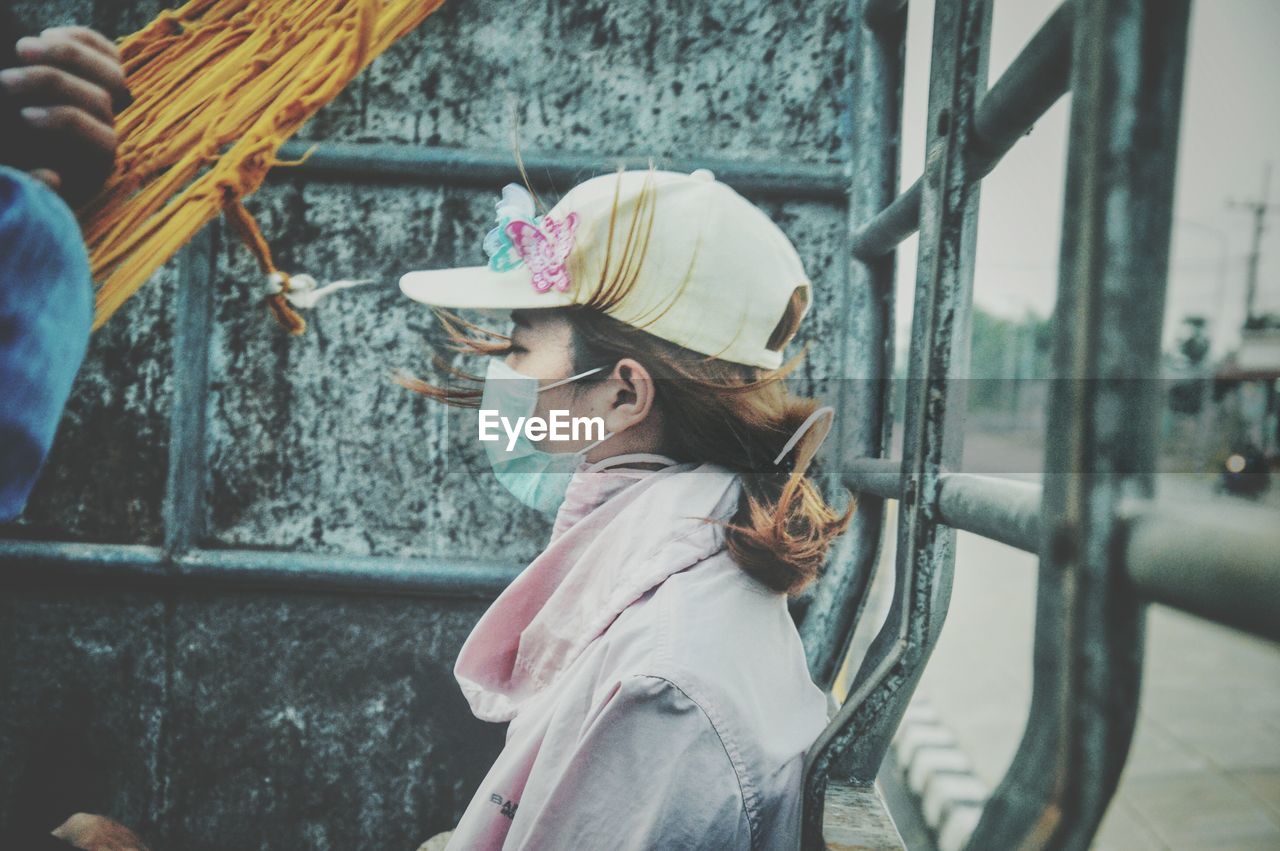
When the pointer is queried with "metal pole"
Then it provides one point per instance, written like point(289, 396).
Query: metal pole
point(1217, 564)
point(1003, 510)
point(434, 166)
point(872, 124)
point(1103, 415)
point(183, 508)
point(1258, 209)
point(116, 567)
point(854, 744)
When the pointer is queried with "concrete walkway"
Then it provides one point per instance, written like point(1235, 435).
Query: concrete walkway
point(1204, 770)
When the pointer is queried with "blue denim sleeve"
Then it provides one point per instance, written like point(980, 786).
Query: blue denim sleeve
point(46, 309)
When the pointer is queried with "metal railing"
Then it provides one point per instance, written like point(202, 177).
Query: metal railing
point(1106, 548)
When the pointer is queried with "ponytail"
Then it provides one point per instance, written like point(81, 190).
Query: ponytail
point(784, 526)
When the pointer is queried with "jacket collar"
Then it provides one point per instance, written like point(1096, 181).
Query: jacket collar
point(619, 533)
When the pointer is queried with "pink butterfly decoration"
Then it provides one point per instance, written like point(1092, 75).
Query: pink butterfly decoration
point(545, 247)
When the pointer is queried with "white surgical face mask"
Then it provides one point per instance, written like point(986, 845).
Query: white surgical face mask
point(537, 478)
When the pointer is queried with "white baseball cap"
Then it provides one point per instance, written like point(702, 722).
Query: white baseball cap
point(716, 275)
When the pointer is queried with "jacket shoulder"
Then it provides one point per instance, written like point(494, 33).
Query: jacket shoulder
point(727, 643)
point(653, 748)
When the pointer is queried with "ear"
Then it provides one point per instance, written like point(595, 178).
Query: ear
point(631, 395)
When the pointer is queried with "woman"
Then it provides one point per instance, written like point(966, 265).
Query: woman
point(655, 685)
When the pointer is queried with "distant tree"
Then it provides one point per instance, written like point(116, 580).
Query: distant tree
point(1003, 353)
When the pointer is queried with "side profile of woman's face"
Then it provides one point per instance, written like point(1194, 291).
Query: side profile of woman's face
point(542, 348)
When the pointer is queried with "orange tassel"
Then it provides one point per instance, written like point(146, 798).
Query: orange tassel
point(218, 87)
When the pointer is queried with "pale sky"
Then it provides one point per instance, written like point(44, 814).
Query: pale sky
point(1230, 128)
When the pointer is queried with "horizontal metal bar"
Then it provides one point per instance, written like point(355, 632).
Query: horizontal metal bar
point(890, 227)
point(557, 172)
point(63, 565)
point(1000, 509)
point(1220, 562)
point(1224, 565)
point(1031, 84)
point(20, 560)
point(1003, 510)
point(1035, 80)
point(373, 574)
point(879, 476)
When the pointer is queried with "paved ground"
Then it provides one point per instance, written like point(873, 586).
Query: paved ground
point(1204, 771)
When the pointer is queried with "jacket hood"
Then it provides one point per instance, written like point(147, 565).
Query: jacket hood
point(619, 533)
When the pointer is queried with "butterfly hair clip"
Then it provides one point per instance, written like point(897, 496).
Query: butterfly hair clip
point(542, 243)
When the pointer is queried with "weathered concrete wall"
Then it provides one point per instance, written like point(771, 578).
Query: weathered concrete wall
point(242, 720)
point(235, 722)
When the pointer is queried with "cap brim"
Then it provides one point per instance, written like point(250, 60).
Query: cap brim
point(481, 288)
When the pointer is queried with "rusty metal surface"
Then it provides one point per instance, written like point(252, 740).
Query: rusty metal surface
point(855, 741)
point(879, 14)
point(185, 487)
point(864, 336)
point(312, 447)
point(1127, 92)
point(610, 82)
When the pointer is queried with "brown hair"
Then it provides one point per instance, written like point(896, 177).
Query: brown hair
point(714, 411)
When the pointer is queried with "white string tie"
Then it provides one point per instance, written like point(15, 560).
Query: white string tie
point(304, 293)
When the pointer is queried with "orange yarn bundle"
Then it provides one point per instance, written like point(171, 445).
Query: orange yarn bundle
point(218, 86)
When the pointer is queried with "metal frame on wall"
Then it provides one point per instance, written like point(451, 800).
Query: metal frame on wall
point(1105, 547)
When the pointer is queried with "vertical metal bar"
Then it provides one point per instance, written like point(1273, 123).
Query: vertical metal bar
point(1103, 415)
point(872, 117)
point(184, 486)
point(183, 509)
point(854, 744)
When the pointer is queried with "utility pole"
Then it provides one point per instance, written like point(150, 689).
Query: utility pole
point(1259, 210)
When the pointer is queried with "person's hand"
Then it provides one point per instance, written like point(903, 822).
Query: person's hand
point(98, 833)
point(68, 88)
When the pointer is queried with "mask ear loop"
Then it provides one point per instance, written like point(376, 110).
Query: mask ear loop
point(563, 381)
point(825, 410)
point(570, 378)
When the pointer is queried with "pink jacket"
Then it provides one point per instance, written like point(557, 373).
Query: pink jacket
point(658, 695)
